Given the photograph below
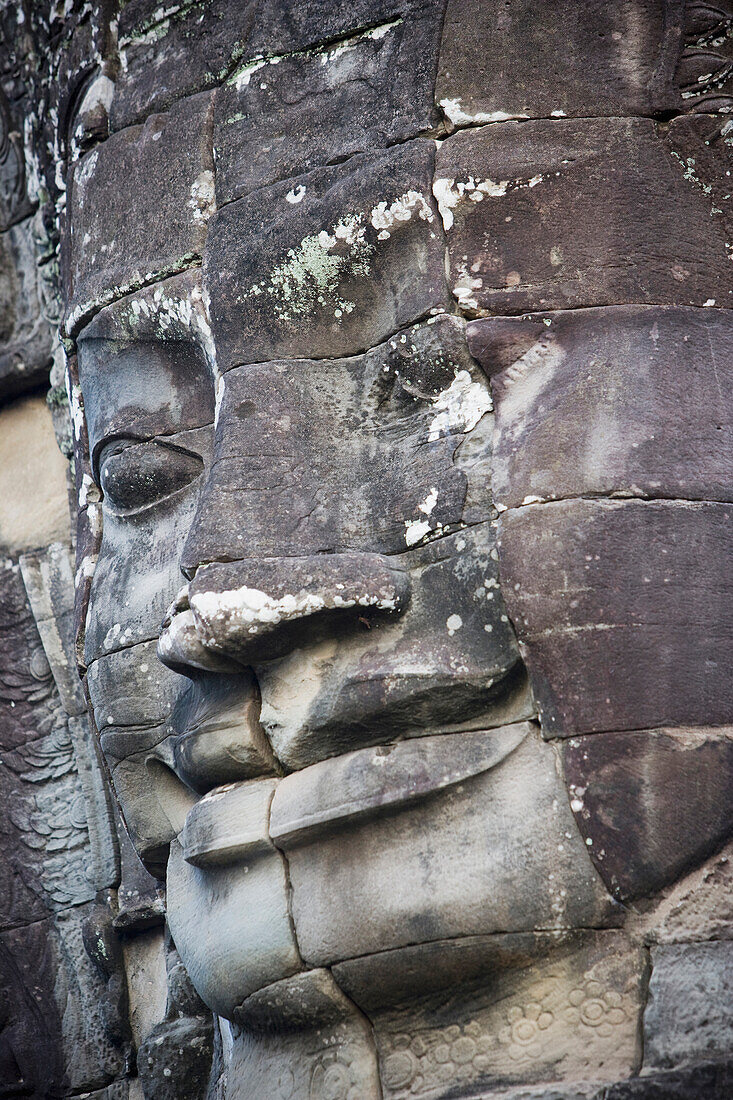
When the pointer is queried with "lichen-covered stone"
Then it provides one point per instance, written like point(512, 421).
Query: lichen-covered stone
point(545, 215)
point(381, 79)
point(161, 174)
point(328, 264)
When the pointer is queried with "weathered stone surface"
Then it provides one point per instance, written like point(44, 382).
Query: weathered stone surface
point(50, 961)
point(220, 739)
point(584, 402)
point(145, 363)
point(362, 784)
point(14, 202)
point(193, 47)
point(704, 70)
point(687, 1018)
point(522, 204)
point(32, 478)
point(229, 825)
point(146, 982)
point(354, 254)
point(49, 581)
point(319, 106)
point(302, 1036)
point(249, 942)
point(622, 611)
point(30, 1023)
point(650, 804)
point(355, 490)
point(365, 888)
point(175, 1060)
point(26, 344)
point(113, 248)
point(470, 1015)
point(529, 59)
point(698, 907)
point(703, 1081)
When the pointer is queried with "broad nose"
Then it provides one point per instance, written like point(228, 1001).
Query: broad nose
point(252, 611)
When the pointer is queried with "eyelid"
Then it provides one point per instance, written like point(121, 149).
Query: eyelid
point(143, 483)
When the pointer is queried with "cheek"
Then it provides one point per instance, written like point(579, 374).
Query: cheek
point(137, 575)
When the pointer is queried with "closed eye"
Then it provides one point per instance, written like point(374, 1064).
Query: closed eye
point(134, 476)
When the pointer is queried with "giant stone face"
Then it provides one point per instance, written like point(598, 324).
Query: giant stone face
point(403, 456)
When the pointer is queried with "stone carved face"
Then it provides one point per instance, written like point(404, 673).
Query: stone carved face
point(356, 559)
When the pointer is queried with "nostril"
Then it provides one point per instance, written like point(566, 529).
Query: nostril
point(258, 610)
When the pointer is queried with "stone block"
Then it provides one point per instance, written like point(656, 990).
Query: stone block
point(703, 1081)
point(26, 344)
point(501, 847)
point(367, 782)
point(698, 907)
point(650, 804)
point(248, 941)
point(621, 610)
point(145, 364)
point(229, 825)
point(687, 1018)
point(117, 247)
point(170, 52)
point(277, 118)
point(351, 488)
point(49, 581)
point(522, 206)
point(329, 264)
point(529, 59)
point(584, 401)
point(175, 1059)
point(470, 1016)
point(301, 1036)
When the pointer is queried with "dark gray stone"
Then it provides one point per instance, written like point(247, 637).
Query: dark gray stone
point(161, 175)
point(277, 119)
point(651, 804)
point(704, 1081)
point(585, 399)
point(545, 215)
point(26, 343)
point(175, 1059)
point(688, 1018)
point(530, 59)
point(193, 46)
point(328, 264)
point(622, 611)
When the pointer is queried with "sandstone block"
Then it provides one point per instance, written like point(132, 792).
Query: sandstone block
point(622, 611)
point(651, 804)
point(584, 401)
point(474, 836)
point(545, 215)
point(497, 1011)
point(328, 264)
point(279, 117)
point(687, 1018)
point(534, 60)
point(117, 247)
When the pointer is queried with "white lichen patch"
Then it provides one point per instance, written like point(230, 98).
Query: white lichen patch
point(202, 201)
point(459, 407)
point(251, 609)
point(384, 216)
point(449, 192)
point(453, 623)
point(416, 530)
point(464, 116)
point(296, 195)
